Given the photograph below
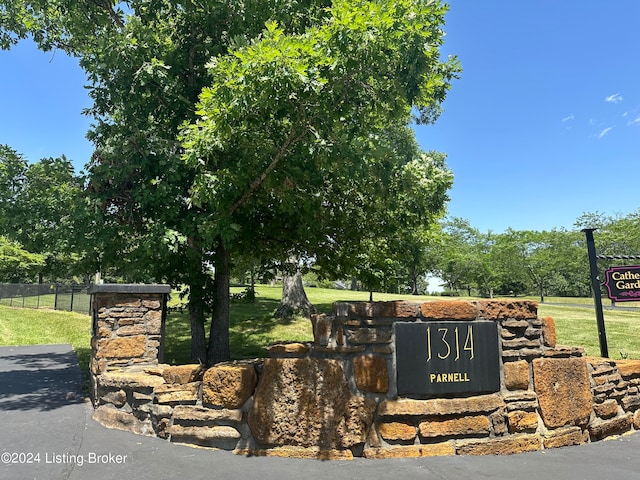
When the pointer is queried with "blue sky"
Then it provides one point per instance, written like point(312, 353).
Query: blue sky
point(544, 123)
point(542, 126)
point(42, 96)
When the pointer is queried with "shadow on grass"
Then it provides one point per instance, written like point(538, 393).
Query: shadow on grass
point(250, 333)
point(324, 307)
point(251, 327)
point(177, 340)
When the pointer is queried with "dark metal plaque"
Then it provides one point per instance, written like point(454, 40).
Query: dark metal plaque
point(441, 358)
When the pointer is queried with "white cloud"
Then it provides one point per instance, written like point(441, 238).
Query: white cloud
point(635, 121)
point(604, 132)
point(570, 117)
point(615, 98)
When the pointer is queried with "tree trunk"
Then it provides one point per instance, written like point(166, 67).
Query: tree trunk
point(414, 282)
point(196, 318)
point(219, 350)
point(294, 298)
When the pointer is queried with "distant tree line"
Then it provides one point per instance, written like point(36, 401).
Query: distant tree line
point(516, 262)
point(527, 262)
point(487, 264)
point(48, 233)
point(40, 210)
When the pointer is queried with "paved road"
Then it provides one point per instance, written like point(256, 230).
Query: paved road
point(44, 419)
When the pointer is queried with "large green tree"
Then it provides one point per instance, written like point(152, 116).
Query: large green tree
point(160, 217)
point(615, 234)
point(146, 65)
point(295, 125)
point(17, 264)
point(543, 262)
point(392, 249)
point(45, 219)
point(38, 206)
point(12, 178)
point(460, 250)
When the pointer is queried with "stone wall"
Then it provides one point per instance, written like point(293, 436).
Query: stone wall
point(127, 327)
point(337, 396)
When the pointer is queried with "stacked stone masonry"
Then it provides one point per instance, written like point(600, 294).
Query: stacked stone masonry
point(127, 327)
point(336, 397)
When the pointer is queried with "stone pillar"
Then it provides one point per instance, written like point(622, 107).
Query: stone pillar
point(127, 326)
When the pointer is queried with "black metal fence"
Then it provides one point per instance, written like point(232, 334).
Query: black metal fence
point(71, 298)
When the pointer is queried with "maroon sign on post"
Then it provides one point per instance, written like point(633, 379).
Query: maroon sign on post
point(623, 283)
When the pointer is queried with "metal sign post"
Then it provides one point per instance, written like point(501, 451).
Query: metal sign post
point(597, 294)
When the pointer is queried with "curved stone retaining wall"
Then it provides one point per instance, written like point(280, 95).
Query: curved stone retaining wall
point(337, 397)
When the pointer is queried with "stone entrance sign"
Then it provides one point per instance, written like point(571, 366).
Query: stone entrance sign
point(380, 380)
point(441, 358)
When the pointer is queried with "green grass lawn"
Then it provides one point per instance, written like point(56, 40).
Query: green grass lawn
point(81, 301)
point(253, 326)
point(577, 326)
point(26, 326)
point(39, 301)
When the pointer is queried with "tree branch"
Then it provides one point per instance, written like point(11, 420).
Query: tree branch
point(290, 140)
point(106, 5)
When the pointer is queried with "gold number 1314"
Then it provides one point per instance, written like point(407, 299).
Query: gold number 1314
point(451, 345)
